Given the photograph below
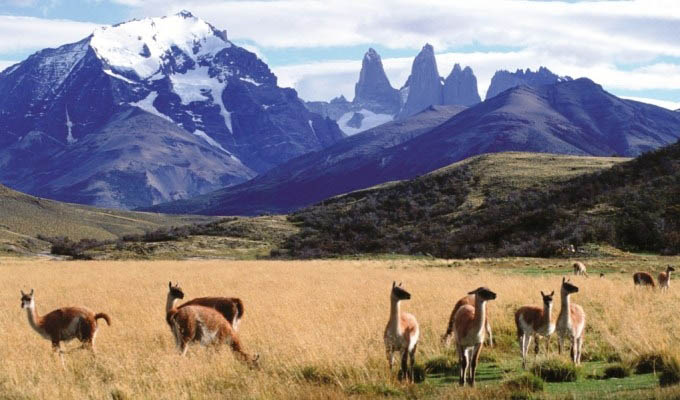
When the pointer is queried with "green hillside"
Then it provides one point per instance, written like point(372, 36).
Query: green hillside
point(481, 206)
point(24, 217)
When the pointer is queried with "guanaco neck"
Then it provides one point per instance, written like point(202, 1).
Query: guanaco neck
point(480, 314)
point(170, 303)
point(547, 313)
point(566, 307)
point(395, 313)
point(34, 319)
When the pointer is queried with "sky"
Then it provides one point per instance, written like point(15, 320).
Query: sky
point(631, 48)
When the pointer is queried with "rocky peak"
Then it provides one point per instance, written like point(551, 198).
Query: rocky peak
point(373, 91)
point(504, 80)
point(460, 87)
point(423, 86)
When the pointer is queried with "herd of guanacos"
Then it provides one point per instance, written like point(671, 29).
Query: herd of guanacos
point(214, 320)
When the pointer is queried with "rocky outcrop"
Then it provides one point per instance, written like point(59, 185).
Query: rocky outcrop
point(424, 85)
point(374, 92)
point(504, 80)
point(460, 87)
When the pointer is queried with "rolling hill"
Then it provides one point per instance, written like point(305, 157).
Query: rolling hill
point(633, 205)
point(24, 217)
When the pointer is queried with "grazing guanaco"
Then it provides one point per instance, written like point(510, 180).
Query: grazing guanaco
point(571, 323)
point(201, 324)
point(665, 278)
point(532, 321)
point(401, 333)
point(230, 307)
point(467, 300)
point(469, 323)
point(643, 279)
point(580, 269)
point(64, 324)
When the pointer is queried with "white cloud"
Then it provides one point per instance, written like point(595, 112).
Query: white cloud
point(671, 105)
point(615, 31)
point(325, 80)
point(29, 33)
point(6, 63)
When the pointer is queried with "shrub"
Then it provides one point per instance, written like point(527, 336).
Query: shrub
point(557, 371)
point(648, 363)
point(670, 373)
point(618, 370)
point(526, 383)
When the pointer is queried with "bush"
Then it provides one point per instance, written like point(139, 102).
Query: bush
point(670, 374)
point(648, 363)
point(557, 371)
point(526, 383)
point(617, 371)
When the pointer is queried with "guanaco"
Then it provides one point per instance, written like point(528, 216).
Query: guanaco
point(466, 300)
point(469, 325)
point(64, 324)
point(665, 278)
point(580, 269)
point(201, 324)
point(643, 279)
point(532, 321)
point(401, 333)
point(571, 322)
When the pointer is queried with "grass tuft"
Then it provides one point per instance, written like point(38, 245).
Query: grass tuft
point(648, 363)
point(670, 374)
point(525, 383)
point(441, 365)
point(556, 370)
point(618, 370)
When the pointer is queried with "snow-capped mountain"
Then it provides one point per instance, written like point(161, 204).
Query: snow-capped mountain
point(376, 102)
point(503, 80)
point(183, 72)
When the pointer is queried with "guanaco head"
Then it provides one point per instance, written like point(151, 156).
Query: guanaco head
point(548, 298)
point(670, 269)
point(27, 300)
point(398, 293)
point(484, 293)
point(568, 287)
point(175, 291)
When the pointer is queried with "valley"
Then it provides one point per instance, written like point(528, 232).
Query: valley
point(299, 324)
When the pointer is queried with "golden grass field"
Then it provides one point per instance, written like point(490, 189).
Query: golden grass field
point(317, 325)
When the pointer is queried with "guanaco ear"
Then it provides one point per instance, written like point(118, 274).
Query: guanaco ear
point(170, 285)
point(22, 292)
point(394, 283)
point(564, 279)
point(542, 294)
point(552, 293)
point(31, 294)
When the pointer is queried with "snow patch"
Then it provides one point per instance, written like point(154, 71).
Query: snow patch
point(147, 105)
point(371, 120)
point(210, 140)
point(117, 76)
point(141, 46)
point(69, 126)
point(250, 80)
point(197, 85)
point(311, 126)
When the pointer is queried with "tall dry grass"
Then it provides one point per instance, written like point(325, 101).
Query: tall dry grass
point(317, 325)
